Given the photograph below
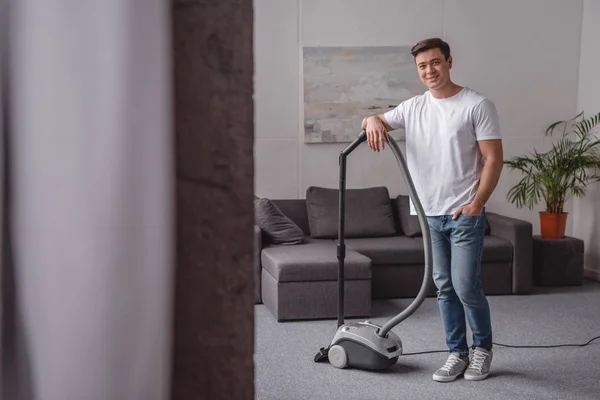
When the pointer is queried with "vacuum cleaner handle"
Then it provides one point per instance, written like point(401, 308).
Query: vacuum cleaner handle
point(362, 137)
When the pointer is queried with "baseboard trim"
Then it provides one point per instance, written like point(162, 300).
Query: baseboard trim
point(592, 274)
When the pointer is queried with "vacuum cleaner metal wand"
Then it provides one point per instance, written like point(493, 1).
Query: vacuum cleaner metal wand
point(341, 248)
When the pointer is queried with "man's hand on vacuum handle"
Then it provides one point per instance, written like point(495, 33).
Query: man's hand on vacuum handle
point(376, 132)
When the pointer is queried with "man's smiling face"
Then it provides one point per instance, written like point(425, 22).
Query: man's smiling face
point(434, 69)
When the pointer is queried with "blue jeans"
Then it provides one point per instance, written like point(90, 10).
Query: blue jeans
point(457, 246)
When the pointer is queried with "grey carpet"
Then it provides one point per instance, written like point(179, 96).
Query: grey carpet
point(285, 368)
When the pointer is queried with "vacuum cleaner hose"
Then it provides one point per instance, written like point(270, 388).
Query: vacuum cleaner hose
point(426, 242)
point(362, 137)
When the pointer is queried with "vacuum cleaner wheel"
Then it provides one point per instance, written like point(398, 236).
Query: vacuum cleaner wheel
point(338, 356)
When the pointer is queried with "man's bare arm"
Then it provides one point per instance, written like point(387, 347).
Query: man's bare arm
point(492, 151)
point(381, 117)
point(494, 162)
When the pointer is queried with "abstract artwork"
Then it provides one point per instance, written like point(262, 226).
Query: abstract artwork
point(342, 85)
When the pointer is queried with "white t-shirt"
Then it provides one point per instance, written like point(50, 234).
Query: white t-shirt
point(442, 153)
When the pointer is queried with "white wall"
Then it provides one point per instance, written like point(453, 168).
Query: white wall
point(522, 55)
point(586, 214)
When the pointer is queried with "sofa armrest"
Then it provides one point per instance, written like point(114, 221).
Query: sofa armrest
point(258, 245)
point(520, 234)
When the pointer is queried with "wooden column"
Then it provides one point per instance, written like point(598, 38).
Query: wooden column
point(214, 124)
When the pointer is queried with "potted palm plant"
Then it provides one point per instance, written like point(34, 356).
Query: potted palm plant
point(555, 176)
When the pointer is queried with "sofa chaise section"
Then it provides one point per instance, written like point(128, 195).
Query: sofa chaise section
point(301, 281)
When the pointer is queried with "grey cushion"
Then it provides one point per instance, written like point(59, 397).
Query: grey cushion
point(408, 223)
point(368, 212)
point(407, 250)
point(390, 250)
point(315, 260)
point(294, 209)
point(275, 224)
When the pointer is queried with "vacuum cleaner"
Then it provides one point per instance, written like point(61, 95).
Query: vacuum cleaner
point(365, 345)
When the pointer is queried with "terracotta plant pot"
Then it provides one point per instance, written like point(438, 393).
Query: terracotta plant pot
point(553, 225)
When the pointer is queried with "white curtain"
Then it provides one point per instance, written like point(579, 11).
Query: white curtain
point(87, 282)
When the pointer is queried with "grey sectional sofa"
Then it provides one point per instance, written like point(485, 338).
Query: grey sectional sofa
point(296, 253)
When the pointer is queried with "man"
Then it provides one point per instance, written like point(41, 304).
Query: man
point(454, 154)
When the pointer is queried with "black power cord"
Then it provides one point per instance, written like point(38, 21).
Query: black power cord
point(513, 346)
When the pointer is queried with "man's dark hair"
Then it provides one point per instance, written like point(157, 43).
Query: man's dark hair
point(428, 44)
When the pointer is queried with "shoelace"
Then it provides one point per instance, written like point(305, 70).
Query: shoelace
point(450, 363)
point(479, 358)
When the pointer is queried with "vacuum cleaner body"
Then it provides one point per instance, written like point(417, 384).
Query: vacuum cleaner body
point(358, 345)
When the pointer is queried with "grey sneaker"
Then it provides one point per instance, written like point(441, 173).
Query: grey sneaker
point(453, 368)
point(479, 367)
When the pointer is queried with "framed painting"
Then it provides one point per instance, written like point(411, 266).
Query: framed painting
point(342, 85)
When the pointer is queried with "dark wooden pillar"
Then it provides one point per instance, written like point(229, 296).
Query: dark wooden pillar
point(214, 124)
